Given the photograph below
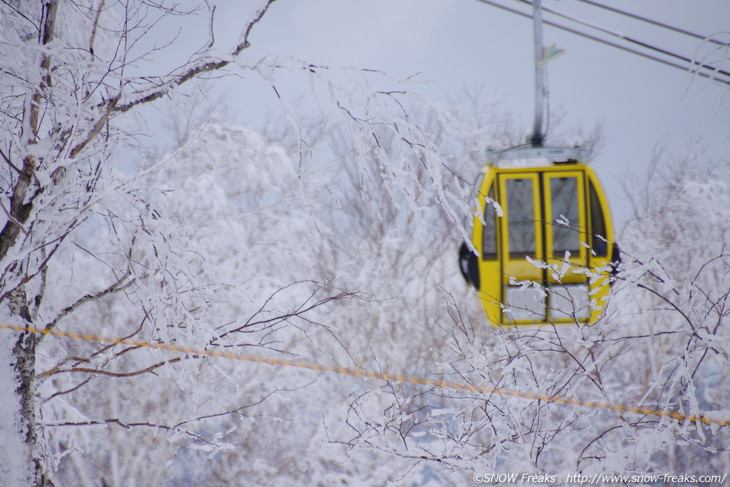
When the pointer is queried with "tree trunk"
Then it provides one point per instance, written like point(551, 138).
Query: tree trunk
point(24, 368)
point(24, 352)
point(21, 206)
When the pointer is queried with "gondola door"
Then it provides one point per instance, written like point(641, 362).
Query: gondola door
point(523, 297)
point(566, 246)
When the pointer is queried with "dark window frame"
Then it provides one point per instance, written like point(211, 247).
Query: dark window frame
point(598, 223)
point(490, 226)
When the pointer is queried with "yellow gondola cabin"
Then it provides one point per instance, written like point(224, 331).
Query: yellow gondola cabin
point(543, 236)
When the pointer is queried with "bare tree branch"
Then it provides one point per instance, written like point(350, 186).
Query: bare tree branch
point(202, 68)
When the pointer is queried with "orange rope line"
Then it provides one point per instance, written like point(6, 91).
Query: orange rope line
point(374, 375)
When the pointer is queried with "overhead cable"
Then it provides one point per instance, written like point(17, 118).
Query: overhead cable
point(657, 23)
point(571, 30)
point(632, 40)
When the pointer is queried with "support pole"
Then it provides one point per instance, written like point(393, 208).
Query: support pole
point(537, 135)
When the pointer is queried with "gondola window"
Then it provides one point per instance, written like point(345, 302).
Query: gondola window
point(565, 216)
point(520, 218)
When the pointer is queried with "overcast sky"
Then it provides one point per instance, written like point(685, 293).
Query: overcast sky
point(455, 43)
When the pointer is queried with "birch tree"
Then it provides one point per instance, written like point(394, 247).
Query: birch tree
point(73, 75)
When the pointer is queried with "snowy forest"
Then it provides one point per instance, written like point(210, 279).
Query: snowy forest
point(185, 301)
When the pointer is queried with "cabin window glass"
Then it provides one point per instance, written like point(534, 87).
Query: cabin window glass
point(489, 236)
point(520, 218)
point(565, 215)
point(598, 224)
point(570, 301)
point(524, 303)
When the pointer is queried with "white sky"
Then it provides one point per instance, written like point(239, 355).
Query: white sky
point(458, 43)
